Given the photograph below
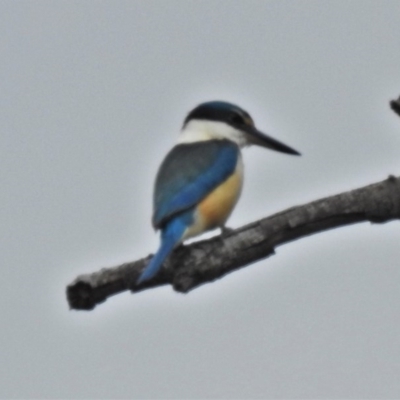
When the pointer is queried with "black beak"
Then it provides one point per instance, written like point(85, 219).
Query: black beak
point(256, 137)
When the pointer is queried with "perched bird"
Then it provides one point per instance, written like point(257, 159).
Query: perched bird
point(200, 179)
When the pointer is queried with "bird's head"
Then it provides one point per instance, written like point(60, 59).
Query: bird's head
point(222, 120)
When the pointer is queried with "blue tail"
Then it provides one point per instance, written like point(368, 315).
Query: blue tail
point(170, 237)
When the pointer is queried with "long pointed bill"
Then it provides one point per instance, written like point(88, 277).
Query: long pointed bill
point(261, 139)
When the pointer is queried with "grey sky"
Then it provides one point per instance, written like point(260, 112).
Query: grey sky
point(93, 95)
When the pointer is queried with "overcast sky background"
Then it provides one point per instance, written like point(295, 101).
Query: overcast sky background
point(93, 95)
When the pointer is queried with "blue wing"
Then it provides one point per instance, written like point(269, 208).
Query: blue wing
point(188, 174)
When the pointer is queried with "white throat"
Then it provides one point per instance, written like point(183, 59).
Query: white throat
point(198, 130)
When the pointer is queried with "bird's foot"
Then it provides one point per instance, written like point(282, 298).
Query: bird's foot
point(225, 231)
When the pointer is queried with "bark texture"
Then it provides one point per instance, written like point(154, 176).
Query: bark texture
point(205, 261)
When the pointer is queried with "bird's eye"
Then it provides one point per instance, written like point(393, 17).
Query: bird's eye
point(237, 119)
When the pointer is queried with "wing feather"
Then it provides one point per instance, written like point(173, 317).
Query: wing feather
point(189, 173)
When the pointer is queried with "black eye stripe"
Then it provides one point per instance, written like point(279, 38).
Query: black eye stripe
point(238, 119)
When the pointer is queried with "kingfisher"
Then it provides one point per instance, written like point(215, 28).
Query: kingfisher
point(200, 180)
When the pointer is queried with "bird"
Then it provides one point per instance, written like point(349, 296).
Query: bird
point(200, 180)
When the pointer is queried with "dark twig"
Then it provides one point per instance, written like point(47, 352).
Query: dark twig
point(395, 106)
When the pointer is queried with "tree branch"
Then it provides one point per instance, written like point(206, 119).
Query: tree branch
point(395, 106)
point(191, 266)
